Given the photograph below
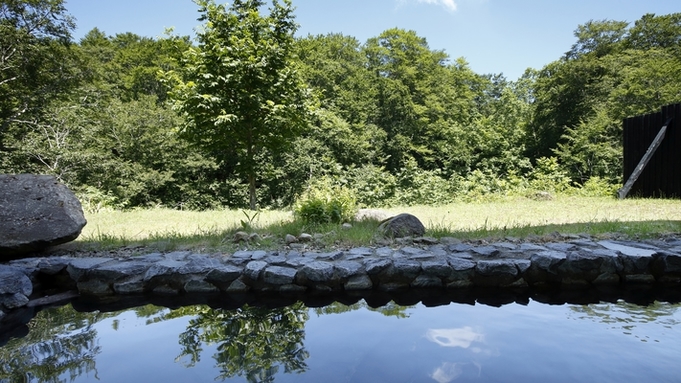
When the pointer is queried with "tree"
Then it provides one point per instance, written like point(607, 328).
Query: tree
point(34, 37)
point(239, 90)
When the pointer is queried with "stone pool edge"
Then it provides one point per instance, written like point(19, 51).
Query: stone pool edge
point(576, 264)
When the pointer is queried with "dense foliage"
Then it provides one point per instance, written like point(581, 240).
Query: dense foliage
point(250, 115)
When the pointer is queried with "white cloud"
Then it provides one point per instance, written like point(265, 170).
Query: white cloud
point(450, 5)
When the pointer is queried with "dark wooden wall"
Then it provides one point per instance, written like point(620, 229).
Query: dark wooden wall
point(662, 176)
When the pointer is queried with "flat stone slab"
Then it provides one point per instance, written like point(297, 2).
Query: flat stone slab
point(628, 250)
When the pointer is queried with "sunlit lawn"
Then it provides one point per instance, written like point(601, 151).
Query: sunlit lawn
point(515, 217)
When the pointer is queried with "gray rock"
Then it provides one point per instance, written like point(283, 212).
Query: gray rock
point(522, 264)
point(36, 212)
point(115, 271)
point(238, 286)
point(177, 255)
point(317, 271)
point(277, 260)
point(289, 239)
point(165, 290)
point(358, 282)
point(53, 265)
point(375, 266)
point(667, 263)
point(402, 225)
point(460, 247)
point(628, 250)
point(383, 252)
point(331, 256)
point(199, 286)
point(561, 246)
point(532, 247)
point(254, 268)
point(413, 251)
point(438, 267)
point(167, 268)
point(133, 285)
point(292, 289)
point(94, 287)
point(79, 267)
point(460, 264)
point(199, 264)
point(486, 251)
point(402, 271)
point(305, 237)
point(13, 280)
point(426, 281)
point(548, 261)
point(347, 269)
point(363, 251)
point(13, 301)
point(277, 275)
point(224, 274)
point(501, 267)
point(241, 236)
point(242, 254)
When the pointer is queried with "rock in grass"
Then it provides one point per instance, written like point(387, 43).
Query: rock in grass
point(36, 212)
point(402, 225)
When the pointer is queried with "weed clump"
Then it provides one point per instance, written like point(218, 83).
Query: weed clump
point(324, 202)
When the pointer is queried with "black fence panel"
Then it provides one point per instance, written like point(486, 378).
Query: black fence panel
point(661, 178)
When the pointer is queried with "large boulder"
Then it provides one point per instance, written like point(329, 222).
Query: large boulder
point(402, 225)
point(36, 211)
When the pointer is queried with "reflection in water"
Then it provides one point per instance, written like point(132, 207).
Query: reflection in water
point(462, 337)
point(252, 342)
point(60, 341)
point(258, 344)
point(625, 317)
point(454, 337)
point(449, 372)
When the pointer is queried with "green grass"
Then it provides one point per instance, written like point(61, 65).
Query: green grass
point(165, 230)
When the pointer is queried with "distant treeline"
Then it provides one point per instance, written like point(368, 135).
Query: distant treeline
point(390, 119)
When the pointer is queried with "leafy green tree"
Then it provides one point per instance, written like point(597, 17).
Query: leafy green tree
point(611, 73)
point(34, 57)
point(239, 90)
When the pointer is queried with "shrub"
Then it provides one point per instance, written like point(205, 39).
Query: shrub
point(326, 202)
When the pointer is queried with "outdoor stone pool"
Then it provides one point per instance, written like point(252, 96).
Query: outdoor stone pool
point(464, 338)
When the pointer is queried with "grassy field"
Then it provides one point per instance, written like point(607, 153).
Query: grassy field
point(165, 229)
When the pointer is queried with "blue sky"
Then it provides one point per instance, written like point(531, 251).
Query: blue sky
point(494, 36)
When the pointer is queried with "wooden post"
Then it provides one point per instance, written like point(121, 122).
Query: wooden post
point(622, 193)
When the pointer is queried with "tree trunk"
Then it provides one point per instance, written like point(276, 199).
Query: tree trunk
point(251, 189)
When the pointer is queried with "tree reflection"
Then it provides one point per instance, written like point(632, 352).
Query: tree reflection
point(252, 342)
point(60, 342)
point(390, 309)
point(627, 316)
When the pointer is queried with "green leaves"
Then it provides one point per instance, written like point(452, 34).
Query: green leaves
point(238, 90)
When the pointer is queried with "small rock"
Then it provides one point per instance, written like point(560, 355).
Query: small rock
point(241, 236)
point(304, 237)
point(346, 226)
point(289, 239)
point(254, 237)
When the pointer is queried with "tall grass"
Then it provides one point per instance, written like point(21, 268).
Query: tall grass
point(165, 229)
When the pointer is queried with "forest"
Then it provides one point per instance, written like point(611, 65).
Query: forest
point(248, 114)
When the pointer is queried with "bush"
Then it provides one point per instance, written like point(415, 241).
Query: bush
point(326, 202)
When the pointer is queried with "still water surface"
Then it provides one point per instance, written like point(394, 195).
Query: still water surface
point(607, 342)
